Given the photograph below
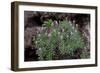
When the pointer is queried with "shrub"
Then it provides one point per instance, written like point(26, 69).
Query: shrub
point(64, 36)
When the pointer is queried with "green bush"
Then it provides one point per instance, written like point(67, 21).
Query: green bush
point(64, 36)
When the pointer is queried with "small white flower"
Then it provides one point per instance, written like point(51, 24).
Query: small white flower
point(70, 22)
point(56, 23)
point(39, 48)
point(73, 21)
point(76, 25)
point(75, 30)
point(36, 42)
point(39, 35)
point(62, 30)
point(71, 33)
point(67, 36)
point(73, 27)
point(49, 34)
point(44, 24)
point(58, 33)
point(61, 37)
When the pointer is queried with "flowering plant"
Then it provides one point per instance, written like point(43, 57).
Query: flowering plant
point(62, 36)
